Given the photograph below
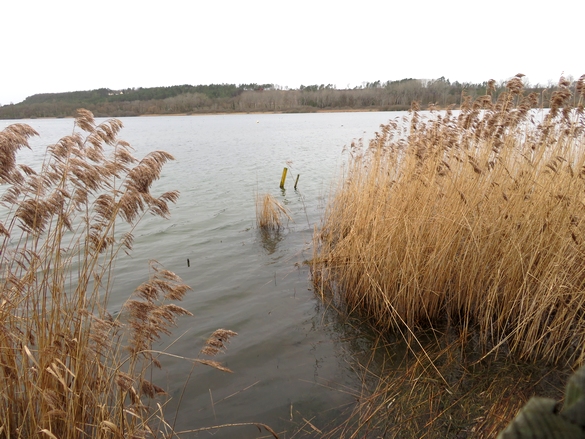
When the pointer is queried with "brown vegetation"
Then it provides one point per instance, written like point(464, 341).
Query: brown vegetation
point(439, 392)
point(270, 213)
point(474, 220)
point(68, 368)
point(460, 237)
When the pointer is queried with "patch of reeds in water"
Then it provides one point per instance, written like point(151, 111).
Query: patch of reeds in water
point(270, 214)
point(474, 220)
point(69, 369)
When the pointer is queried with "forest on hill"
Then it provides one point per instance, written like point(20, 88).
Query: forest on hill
point(247, 98)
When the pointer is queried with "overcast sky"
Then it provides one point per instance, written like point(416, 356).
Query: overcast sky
point(61, 45)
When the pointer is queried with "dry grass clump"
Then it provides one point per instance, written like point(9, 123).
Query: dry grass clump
point(270, 214)
point(68, 369)
point(475, 219)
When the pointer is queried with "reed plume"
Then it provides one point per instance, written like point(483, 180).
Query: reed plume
point(68, 368)
point(270, 214)
point(472, 219)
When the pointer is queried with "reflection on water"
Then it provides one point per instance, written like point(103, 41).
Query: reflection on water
point(270, 239)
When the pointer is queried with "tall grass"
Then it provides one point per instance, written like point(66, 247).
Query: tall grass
point(473, 219)
point(68, 368)
point(270, 214)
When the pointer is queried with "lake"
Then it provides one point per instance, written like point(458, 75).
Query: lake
point(292, 359)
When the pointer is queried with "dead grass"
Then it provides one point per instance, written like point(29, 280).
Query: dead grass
point(270, 214)
point(460, 237)
point(439, 391)
point(69, 369)
point(474, 221)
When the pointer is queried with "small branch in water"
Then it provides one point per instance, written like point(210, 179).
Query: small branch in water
point(212, 405)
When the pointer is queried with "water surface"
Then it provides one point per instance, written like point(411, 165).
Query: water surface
point(291, 361)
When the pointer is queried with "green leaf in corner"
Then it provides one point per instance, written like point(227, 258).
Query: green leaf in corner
point(574, 408)
point(575, 387)
point(538, 420)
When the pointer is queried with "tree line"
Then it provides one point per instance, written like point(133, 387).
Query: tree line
point(227, 98)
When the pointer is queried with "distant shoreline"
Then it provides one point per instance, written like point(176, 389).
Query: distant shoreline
point(189, 100)
point(336, 110)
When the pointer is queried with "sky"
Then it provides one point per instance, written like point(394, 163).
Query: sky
point(61, 45)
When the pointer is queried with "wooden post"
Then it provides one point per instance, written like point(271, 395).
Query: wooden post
point(297, 181)
point(283, 178)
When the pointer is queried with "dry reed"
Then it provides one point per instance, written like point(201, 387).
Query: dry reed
point(474, 220)
point(270, 214)
point(438, 393)
point(68, 369)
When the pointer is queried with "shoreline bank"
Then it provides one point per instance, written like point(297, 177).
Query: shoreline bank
point(222, 113)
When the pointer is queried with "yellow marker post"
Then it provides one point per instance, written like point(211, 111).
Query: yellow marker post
point(283, 178)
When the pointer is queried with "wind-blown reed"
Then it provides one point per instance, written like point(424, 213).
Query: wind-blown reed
point(270, 213)
point(474, 219)
point(69, 369)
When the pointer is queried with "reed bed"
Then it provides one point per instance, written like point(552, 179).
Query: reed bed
point(473, 220)
point(439, 393)
point(68, 368)
point(270, 214)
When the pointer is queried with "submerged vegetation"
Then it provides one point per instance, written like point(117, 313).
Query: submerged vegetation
point(438, 390)
point(68, 367)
